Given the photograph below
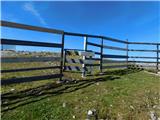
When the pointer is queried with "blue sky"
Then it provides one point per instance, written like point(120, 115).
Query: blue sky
point(136, 21)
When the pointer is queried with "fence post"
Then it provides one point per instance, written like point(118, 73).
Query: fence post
point(127, 52)
point(64, 62)
point(62, 56)
point(85, 49)
point(101, 62)
point(157, 66)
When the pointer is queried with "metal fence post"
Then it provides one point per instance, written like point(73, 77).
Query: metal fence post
point(157, 66)
point(64, 62)
point(127, 52)
point(101, 62)
point(62, 56)
point(85, 49)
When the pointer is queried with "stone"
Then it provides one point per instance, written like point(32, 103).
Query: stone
point(12, 89)
point(131, 107)
point(90, 112)
point(64, 104)
point(97, 83)
point(153, 115)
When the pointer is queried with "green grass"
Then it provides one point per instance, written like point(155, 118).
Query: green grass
point(121, 94)
point(118, 94)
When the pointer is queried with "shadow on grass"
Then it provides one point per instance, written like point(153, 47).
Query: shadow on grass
point(118, 72)
point(13, 100)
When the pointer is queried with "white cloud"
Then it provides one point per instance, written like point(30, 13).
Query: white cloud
point(30, 8)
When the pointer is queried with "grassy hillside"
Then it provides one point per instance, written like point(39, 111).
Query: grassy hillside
point(121, 95)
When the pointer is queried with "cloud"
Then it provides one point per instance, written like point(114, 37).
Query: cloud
point(30, 8)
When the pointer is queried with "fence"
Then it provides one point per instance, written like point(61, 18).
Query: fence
point(104, 61)
point(150, 61)
point(103, 58)
point(33, 59)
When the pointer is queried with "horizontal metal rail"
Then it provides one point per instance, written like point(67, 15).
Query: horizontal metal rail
point(29, 79)
point(82, 35)
point(42, 29)
point(29, 27)
point(67, 49)
point(96, 59)
point(114, 48)
point(143, 43)
point(114, 56)
point(29, 43)
point(142, 57)
point(29, 59)
point(142, 50)
point(94, 44)
point(97, 53)
point(30, 69)
point(114, 40)
point(96, 36)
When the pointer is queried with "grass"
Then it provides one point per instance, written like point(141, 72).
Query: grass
point(116, 95)
point(120, 94)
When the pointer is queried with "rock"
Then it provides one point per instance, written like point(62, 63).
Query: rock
point(97, 83)
point(90, 112)
point(131, 107)
point(157, 107)
point(64, 104)
point(40, 93)
point(12, 89)
point(153, 115)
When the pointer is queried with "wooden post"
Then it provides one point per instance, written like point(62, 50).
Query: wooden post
point(127, 52)
point(101, 62)
point(85, 49)
point(157, 65)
